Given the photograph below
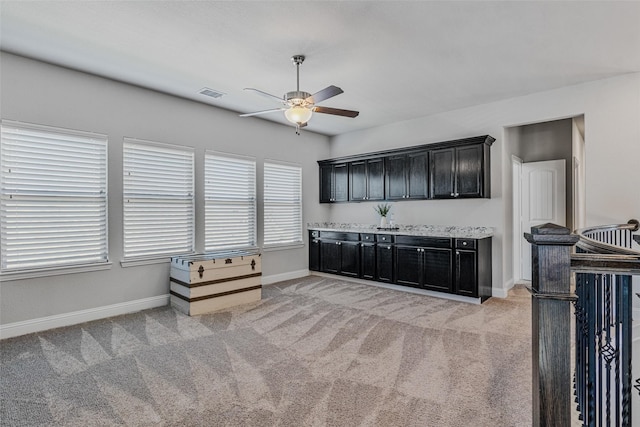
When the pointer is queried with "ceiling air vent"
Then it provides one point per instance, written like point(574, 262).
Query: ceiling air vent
point(211, 92)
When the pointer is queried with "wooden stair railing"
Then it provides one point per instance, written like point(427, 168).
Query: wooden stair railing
point(602, 382)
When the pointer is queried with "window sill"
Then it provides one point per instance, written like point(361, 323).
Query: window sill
point(52, 271)
point(282, 247)
point(148, 261)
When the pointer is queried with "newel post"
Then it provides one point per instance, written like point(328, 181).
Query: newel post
point(550, 321)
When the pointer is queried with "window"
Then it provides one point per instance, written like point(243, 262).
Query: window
point(230, 202)
point(282, 204)
point(53, 192)
point(158, 199)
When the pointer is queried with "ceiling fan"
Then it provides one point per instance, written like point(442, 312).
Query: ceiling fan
point(298, 106)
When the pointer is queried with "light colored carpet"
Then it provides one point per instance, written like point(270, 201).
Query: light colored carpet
point(315, 351)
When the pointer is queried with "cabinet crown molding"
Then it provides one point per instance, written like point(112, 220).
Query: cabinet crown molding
point(482, 139)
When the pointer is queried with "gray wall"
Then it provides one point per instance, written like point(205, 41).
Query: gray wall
point(36, 92)
point(611, 108)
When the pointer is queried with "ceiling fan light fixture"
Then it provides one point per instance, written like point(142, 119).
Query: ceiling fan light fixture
point(298, 114)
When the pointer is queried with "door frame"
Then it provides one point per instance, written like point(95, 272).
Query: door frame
point(516, 169)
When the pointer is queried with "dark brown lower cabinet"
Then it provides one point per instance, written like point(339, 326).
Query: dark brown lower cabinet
point(458, 266)
point(384, 262)
point(314, 253)
point(472, 274)
point(340, 256)
point(368, 261)
point(350, 258)
point(424, 267)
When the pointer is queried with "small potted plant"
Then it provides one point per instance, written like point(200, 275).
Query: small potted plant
point(382, 210)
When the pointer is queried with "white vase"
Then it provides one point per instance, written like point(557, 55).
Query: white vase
point(383, 222)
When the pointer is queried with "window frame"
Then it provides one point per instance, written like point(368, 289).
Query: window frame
point(299, 241)
point(151, 258)
point(94, 192)
point(250, 203)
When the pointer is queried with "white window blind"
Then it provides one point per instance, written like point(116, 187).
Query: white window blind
point(282, 204)
point(53, 185)
point(158, 199)
point(230, 202)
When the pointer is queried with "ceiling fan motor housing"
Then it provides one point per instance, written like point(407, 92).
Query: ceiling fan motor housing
point(297, 97)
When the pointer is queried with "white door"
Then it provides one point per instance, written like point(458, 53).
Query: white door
point(543, 201)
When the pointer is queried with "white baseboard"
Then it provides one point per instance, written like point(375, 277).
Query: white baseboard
point(267, 280)
point(499, 293)
point(504, 292)
point(73, 318)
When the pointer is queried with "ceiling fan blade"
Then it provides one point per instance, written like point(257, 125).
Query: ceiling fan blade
point(263, 93)
point(326, 93)
point(336, 111)
point(261, 112)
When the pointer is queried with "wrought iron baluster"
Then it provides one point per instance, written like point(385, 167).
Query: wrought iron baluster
point(625, 345)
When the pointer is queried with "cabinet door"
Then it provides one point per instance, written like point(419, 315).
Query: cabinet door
point(340, 182)
point(314, 254)
point(375, 179)
point(437, 269)
point(350, 258)
point(395, 180)
point(368, 261)
point(408, 265)
point(384, 263)
point(326, 183)
point(330, 256)
point(469, 176)
point(466, 281)
point(442, 173)
point(418, 176)
point(358, 180)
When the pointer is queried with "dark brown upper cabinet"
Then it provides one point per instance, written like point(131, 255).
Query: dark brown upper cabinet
point(366, 180)
point(443, 170)
point(460, 172)
point(407, 176)
point(334, 182)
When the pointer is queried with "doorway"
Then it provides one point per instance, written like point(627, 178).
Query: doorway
point(531, 147)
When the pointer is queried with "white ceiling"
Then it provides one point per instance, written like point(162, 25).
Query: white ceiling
point(394, 60)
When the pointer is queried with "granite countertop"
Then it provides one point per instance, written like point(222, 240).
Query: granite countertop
point(408, 230)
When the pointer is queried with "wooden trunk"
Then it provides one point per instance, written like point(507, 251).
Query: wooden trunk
point(209, 282)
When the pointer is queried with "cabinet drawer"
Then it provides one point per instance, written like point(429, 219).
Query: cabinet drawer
point(384, 238)
point(367, 237)
point(429, 242)
point(465, 243)
point(314, 234)
point(337, 235)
